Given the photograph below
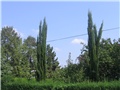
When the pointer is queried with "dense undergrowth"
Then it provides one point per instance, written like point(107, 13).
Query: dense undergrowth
point(49, 84)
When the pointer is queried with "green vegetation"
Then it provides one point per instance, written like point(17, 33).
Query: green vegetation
point(41, 52)
point(93, 48)
point(33, 65)
point(23, 84)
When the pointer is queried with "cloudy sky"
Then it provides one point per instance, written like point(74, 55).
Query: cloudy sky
point(64, 19)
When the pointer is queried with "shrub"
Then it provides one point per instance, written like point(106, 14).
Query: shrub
point(51, 85)
point(6, 79)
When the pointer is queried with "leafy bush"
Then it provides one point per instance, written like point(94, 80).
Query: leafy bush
point(55, 85)
point(73, 73)
point(6, 79)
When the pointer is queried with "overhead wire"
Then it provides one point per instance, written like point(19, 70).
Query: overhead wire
point(79, 35)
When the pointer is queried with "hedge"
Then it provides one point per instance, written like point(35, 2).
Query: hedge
point(114, 85)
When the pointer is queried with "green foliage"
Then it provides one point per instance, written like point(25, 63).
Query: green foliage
point(41, 52)
point(58, 75)
point(73, 73)
point(109, 61)
point(30, 42)
point(7, 79)
point(51, 85)
point(10, 44)
point(116, 59)
point(51, 62)
point(69, 61)
point(93, 48)
point(29, 53)
point(100, 60)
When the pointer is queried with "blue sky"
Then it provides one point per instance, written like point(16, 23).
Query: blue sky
point(64, 19)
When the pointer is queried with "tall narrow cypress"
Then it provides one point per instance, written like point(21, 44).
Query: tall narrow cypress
point(41, 52)
point(44, 33)
point(93, 48)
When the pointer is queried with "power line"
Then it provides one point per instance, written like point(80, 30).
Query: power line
point(66, 38)
point(80, 35)
point(111, 29)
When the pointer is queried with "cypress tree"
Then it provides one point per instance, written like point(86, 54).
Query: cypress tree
point(93, 48)
point(44, 33)
point(41, 52)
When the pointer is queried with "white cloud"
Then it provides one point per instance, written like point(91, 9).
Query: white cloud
point(78, 41)
point(57, 49)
